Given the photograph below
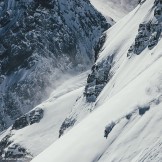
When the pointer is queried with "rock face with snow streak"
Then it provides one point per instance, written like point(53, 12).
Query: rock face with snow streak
point(8, 150)
point(98, 79)
point(148, 32)
point(68, 123)
point(39, 40)
point(30, 118)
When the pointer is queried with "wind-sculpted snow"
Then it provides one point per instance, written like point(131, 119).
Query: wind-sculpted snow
point(39, 42)
point(140, 110)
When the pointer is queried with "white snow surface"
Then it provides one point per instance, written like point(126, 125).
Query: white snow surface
point(136, 83)
point(37, 137)
point(116, 9)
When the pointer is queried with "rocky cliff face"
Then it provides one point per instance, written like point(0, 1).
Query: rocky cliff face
point(148, 32)
point(98, 79)
point(39, 40)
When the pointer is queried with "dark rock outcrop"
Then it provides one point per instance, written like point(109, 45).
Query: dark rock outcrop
point(30, 118)
point(99, 45)
point(11, 151)
point(143, 110)
point(68, 122)
point(5, 142)
point(148, 32)
point(98, 78)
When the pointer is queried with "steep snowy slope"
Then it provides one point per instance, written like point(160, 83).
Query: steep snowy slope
point(116, 9)
point(39, 42)
point(126, 123)
point(112, 66)
point(36, 136)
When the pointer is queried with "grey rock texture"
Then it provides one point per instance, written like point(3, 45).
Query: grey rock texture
point(148, 32)
point(30, 118)
point(68, 122)
point(97, 79)
point(10, 151)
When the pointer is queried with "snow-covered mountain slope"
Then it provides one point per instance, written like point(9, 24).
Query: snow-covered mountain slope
point(112, 66)
point(115, 9)
point(126, 123)
point(35, 137)
point(39, 42)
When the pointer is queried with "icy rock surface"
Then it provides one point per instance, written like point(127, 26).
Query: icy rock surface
point(15, 152)
point(28, 119)
point(38, 41)
point(68, 122)
point(97, 79)
point(148, 32)
point(9, 150)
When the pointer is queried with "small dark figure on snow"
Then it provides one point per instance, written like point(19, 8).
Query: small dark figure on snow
point(108, 129)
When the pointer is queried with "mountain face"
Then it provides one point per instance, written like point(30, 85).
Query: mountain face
point(124, 88)
point(39, 41)
point(111, 112)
